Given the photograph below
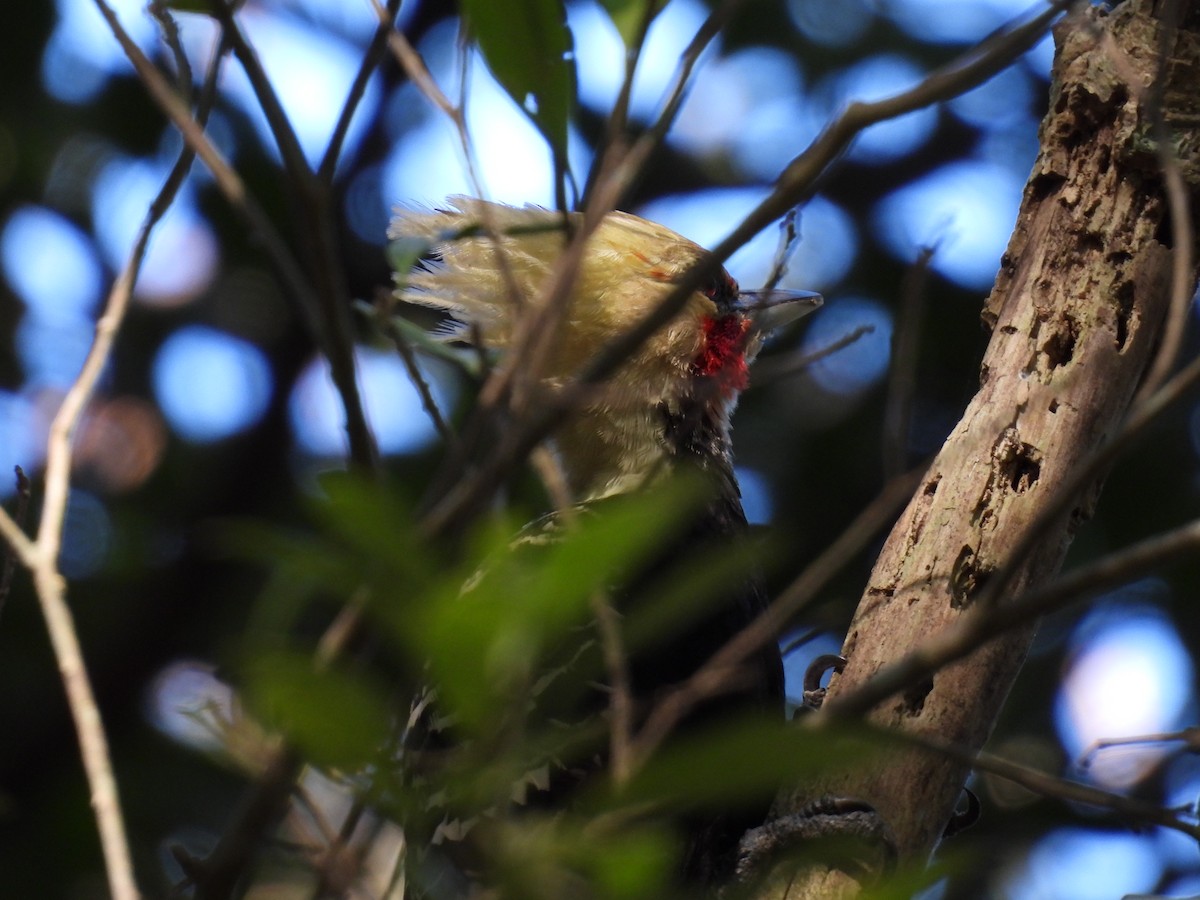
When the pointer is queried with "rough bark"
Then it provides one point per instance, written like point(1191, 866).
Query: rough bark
point(1076, 314)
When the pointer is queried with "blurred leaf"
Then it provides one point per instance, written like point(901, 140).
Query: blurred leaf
point(693, 586)
point(741, 759)
point(628, 15)
point(633, 863)
point(337, 719)
point(565, 856)
point(487, 643)
point(377, 524)
point(404, 252)
point(529, 49)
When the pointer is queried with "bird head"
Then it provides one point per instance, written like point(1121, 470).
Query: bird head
point(490, 268)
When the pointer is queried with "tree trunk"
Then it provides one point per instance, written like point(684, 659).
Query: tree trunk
point(1076, 315)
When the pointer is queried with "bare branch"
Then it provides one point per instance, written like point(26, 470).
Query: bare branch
point(18, 519)
point(985, 623)
point(371, 61)
point(721, 670)
point(13, 532)
point(1046, 785)
point(290, 150)
point(772, 370)
point(902, 377)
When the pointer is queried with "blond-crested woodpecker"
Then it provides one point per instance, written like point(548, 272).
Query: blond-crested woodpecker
point(666, 407)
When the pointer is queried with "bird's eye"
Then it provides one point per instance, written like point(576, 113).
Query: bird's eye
point(721, 288)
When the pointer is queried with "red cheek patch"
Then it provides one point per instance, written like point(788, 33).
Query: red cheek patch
point(723, 354)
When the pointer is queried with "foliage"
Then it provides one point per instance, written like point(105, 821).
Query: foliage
point(236, 554)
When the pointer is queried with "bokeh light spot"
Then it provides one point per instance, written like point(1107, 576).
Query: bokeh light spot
point(756, 496)
point(600, 55)
point(50, 264)
point(82, 51)
point(392, 402)
point(22, 438)
point(121, 443)
point(854, 368)
point(209, 384)
point(1087, 865)
point(52, 352)
point(181, 258)
point(311, 70)
point(1129, 675)
point(966, 210)
point(875, 78)
point(188, 703)
point(826, 249)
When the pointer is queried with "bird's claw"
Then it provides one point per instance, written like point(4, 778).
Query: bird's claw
point(814, 694)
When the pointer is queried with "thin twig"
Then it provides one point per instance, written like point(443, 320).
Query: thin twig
point(384, 320)
point(333, 331)
point(228, 182)
point(771, 370)
point(51, 587)
point(19, 516)
point(49, 583)
point(984, 623)
point(170, 32)
point(615, 144)
point(290, 151)
point(1188, 737)
point(1046, 785)
point(783, 250)
point(625, 171)
point(372, 58)
point(620, 698)
point(721, 669)
point(902, 377)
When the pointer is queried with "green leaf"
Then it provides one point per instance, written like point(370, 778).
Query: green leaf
point(740, 759)
point(529, 50)
point(628, 15)
point(527, 600)
point(339, 720)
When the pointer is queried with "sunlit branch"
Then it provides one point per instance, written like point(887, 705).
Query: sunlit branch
point(48, 581)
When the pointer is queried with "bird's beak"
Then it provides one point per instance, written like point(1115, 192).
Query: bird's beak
point(770, 310)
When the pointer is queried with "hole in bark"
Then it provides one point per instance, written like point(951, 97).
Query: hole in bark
point(1059, 347)
point(1163, 233)
point(1053, 406)
point(1024, 474)
point(1124, 294)
point(1045, 184)
point(1021, 467)
point(963, 580)
point(914, 697)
